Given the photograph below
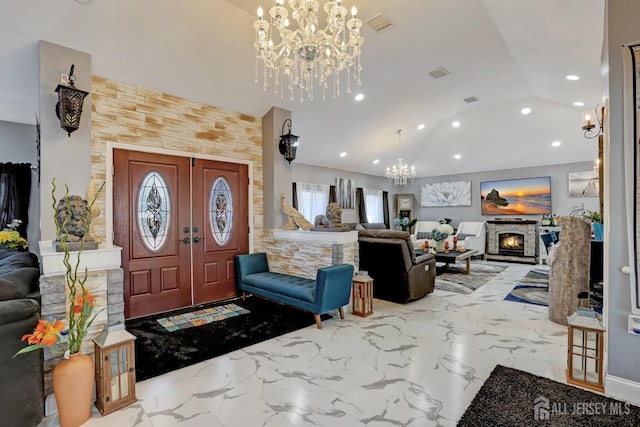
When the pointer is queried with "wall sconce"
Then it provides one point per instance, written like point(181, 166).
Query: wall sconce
point(589, 127)
point(69, 106)
point(288, 143)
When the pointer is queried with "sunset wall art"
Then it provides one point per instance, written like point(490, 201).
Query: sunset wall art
point(526, 196)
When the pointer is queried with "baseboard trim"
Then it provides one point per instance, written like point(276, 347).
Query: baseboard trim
point(623, 389)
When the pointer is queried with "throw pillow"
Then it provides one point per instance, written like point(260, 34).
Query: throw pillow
point(375, 226)
point(463, 236)
point(422, 235)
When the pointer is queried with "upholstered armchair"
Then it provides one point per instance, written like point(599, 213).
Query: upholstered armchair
point(421, 230)
point(472, 235)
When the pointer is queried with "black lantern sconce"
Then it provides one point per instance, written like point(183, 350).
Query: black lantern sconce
point(69, 106)
point(288, 143)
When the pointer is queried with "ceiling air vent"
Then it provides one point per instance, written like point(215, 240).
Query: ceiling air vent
point(470, 99)
point(439, 72)
point(380, 22)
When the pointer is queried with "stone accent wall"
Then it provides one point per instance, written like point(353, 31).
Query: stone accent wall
point(141, 117)
point(303, 259)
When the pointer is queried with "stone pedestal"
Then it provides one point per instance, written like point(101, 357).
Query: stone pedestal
point(105, 280)
point(570, 269)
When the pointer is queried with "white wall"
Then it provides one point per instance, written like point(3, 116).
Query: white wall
point(561, 203)
point(623, 349)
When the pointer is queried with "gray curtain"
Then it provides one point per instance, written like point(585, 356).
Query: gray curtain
point(15, 191)
point(294, 197)
point(362, 210)
point(385, 208)
point(333, 198)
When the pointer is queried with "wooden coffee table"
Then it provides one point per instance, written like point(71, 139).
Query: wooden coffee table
point(454, 256)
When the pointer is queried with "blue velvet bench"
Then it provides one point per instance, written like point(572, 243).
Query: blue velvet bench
point(329, 291)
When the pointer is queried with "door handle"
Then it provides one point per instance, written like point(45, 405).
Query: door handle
point(196, 229)
point(186, 229)
point(196, 239)
point(186, 240)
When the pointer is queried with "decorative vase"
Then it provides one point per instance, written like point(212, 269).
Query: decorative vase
point(73, 387)
point(439, 245)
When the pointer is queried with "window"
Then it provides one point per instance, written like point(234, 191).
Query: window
point(312, 200)
point(373, 205)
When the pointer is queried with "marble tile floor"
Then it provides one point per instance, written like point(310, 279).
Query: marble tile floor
point(418, 364)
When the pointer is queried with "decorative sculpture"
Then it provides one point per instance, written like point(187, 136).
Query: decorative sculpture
point(332, 221)
point(295, 218)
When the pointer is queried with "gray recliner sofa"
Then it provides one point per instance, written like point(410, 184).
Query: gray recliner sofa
point(22, 385)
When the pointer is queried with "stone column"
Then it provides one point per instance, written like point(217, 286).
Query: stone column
point(570, 269)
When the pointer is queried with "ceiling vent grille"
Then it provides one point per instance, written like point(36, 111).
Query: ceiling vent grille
point(439, 72)
point(470, 99)
point(380, 22)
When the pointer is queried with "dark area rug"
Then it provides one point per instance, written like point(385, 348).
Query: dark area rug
point(454, 279)
point(533, 288)
point(159, 351)
point(511, 397)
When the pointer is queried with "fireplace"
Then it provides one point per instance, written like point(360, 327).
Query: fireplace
point(511, 244)
point(512, 240)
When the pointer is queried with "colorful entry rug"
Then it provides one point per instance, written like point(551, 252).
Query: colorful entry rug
point(454, 279)
point(533, 288)
point(510, 397)
point(201, 317)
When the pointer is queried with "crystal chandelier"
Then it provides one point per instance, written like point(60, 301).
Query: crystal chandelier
point(307, 55)
point(400, 173)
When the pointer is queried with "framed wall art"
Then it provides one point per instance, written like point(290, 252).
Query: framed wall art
point(453, 193)
point(526, 196)
point(584, 184)
point(345, 193)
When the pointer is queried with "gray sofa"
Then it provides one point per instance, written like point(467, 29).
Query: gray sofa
point(21, 389)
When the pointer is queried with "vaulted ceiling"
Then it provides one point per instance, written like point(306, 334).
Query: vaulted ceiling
point(509, 54)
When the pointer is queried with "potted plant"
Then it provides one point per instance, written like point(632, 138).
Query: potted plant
point(440, 234)
point(404, 223)
point(73, 376)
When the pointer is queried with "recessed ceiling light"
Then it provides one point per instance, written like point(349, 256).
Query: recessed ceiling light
point(343, 154)
point(572, 77)
point(376, 161)
point(360, 97)
point(579, 104)
point(525, 111)
point(421, 126)
point(556, 143)
point(455, 124)
point(457, 156)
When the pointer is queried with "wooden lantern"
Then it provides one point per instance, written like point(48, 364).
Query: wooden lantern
point(585, 350)
point(115, 369)
point(362, 298)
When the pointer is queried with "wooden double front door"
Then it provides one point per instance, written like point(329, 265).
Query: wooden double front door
point(180, 222)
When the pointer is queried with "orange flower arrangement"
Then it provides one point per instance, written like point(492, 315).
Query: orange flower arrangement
point(58, 336)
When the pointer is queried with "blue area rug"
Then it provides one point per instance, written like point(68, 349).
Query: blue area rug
point(533, 288)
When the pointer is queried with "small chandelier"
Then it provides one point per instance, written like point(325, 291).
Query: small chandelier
point(307, 55)
point(400, 172)
point(69, 106)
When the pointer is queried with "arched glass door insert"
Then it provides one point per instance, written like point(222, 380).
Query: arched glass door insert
point(221, 211)
point(153, 211)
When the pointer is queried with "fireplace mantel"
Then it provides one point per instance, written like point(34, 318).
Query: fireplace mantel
point(512, 221)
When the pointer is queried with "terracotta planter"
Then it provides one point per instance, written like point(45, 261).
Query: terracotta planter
point(439, 245)
point(73, 387)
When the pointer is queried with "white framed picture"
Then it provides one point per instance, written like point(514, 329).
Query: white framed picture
point(584, 184)
point(453, 193)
